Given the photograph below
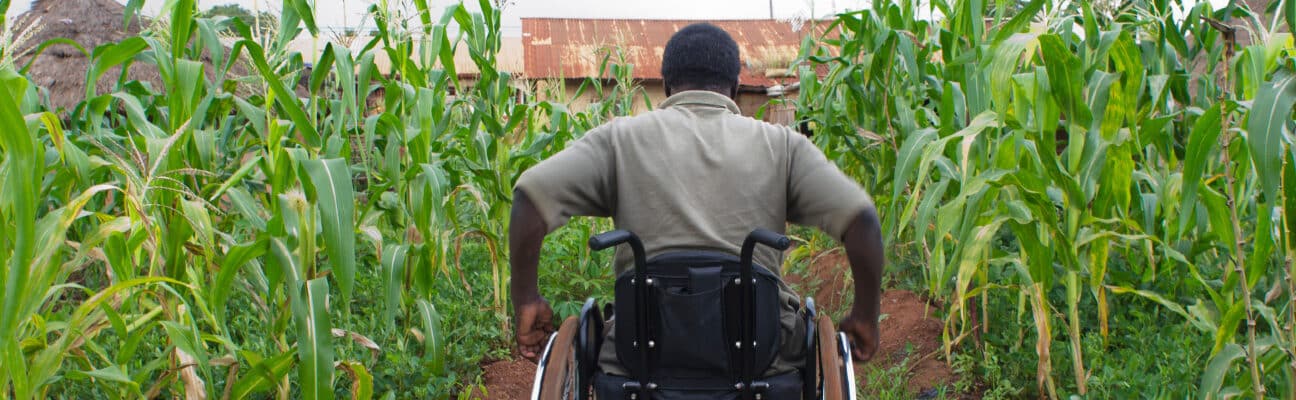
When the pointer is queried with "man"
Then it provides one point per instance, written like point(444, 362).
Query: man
point(696, 175)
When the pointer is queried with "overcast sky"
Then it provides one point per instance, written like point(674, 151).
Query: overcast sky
point(340, 13)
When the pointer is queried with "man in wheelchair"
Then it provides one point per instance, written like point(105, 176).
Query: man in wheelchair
point(693, 187)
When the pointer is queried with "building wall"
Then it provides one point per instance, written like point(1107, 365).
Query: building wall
point(546, 90)
point(751, 103)
point(748, 102)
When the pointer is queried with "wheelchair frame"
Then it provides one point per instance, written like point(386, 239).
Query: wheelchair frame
point(567, 365)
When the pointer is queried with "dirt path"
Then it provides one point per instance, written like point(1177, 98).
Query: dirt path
point(911, 338)
point(508, 380)
point(911, 334)
point(910, 342)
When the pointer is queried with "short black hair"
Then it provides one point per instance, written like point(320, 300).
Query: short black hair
point(701, 56)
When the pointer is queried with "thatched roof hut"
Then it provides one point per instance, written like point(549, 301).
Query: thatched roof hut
point(61, 69)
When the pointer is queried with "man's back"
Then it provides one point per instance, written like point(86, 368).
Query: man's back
point(694, 175)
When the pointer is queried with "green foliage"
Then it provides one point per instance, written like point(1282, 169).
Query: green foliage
point(257, 243)
point(1090, 150)
point(1108, 187)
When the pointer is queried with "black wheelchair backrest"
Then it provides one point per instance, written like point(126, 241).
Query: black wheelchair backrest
point(696, 320)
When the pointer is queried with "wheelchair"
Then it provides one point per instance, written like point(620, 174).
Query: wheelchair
point(693, 325)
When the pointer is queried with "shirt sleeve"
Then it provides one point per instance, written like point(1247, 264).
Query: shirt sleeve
point(578, 181)
point(819, 194)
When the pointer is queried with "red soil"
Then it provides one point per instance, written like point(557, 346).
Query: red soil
point(508, 380)
point(825, 281)
point(909, 331)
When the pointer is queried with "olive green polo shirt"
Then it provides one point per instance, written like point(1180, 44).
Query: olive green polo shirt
point(696, 175)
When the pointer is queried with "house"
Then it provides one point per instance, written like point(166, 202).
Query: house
point(562, 52)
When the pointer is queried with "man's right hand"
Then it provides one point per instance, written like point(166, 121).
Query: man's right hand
point(863, 241)
point(862, 333)
point(534, 324)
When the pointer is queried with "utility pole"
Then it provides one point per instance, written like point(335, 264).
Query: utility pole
point(771, 2)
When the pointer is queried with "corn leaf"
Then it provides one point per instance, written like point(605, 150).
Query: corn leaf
point(182, 25)
point(1201, 142)
point(909, 160)
point(132, 8)
point(361, 380)
point(1019, 21)
point(333, 194)
point(286, 98)
point(111, 373)
point(24, 167)
point(1289, 14)
point(303, 10)
point(112, 55)
point(1065, 76)
point(1270, 113)
point(393, 278)
point(314, 340)
point(1220, 365)
point(433, 348)
point(235, 259)
point(321, 69)
point(425, 15)
point(1289, 197)
point(264, 375)
point(35, 53)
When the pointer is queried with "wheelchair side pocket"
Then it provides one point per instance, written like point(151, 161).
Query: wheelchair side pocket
point(692, 333)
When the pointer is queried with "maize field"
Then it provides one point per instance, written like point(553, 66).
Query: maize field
point(1092, 194)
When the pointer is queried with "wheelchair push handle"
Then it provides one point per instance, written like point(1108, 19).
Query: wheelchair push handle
point(768, 238)
point(763, 236)
point(609, 239)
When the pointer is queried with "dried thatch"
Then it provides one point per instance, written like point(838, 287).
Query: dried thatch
point(61, 69)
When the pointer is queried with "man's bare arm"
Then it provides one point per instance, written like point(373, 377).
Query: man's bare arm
point(534, 317)
point(863, 242)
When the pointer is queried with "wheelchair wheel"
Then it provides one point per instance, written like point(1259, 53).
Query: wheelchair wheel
point(835, 362)
point(556, 372)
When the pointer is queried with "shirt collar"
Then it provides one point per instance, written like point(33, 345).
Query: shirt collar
point(705, 98)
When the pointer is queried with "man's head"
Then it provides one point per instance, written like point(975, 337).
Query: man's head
point(701, 57)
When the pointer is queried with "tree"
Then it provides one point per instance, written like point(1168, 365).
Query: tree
point(268, 21)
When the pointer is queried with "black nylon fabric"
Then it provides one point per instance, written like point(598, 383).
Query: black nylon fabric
point(785, 386)
point(693, 318)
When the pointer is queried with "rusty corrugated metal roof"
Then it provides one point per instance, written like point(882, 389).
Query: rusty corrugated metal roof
point(575, 48)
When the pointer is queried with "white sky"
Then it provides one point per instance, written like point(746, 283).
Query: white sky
point(341, 13)
point(337, 14)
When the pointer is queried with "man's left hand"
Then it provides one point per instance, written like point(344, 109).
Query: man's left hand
point(534, 324)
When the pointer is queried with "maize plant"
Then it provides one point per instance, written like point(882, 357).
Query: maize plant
point(209, 237)
point(1065, 153)
point(270, 224)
